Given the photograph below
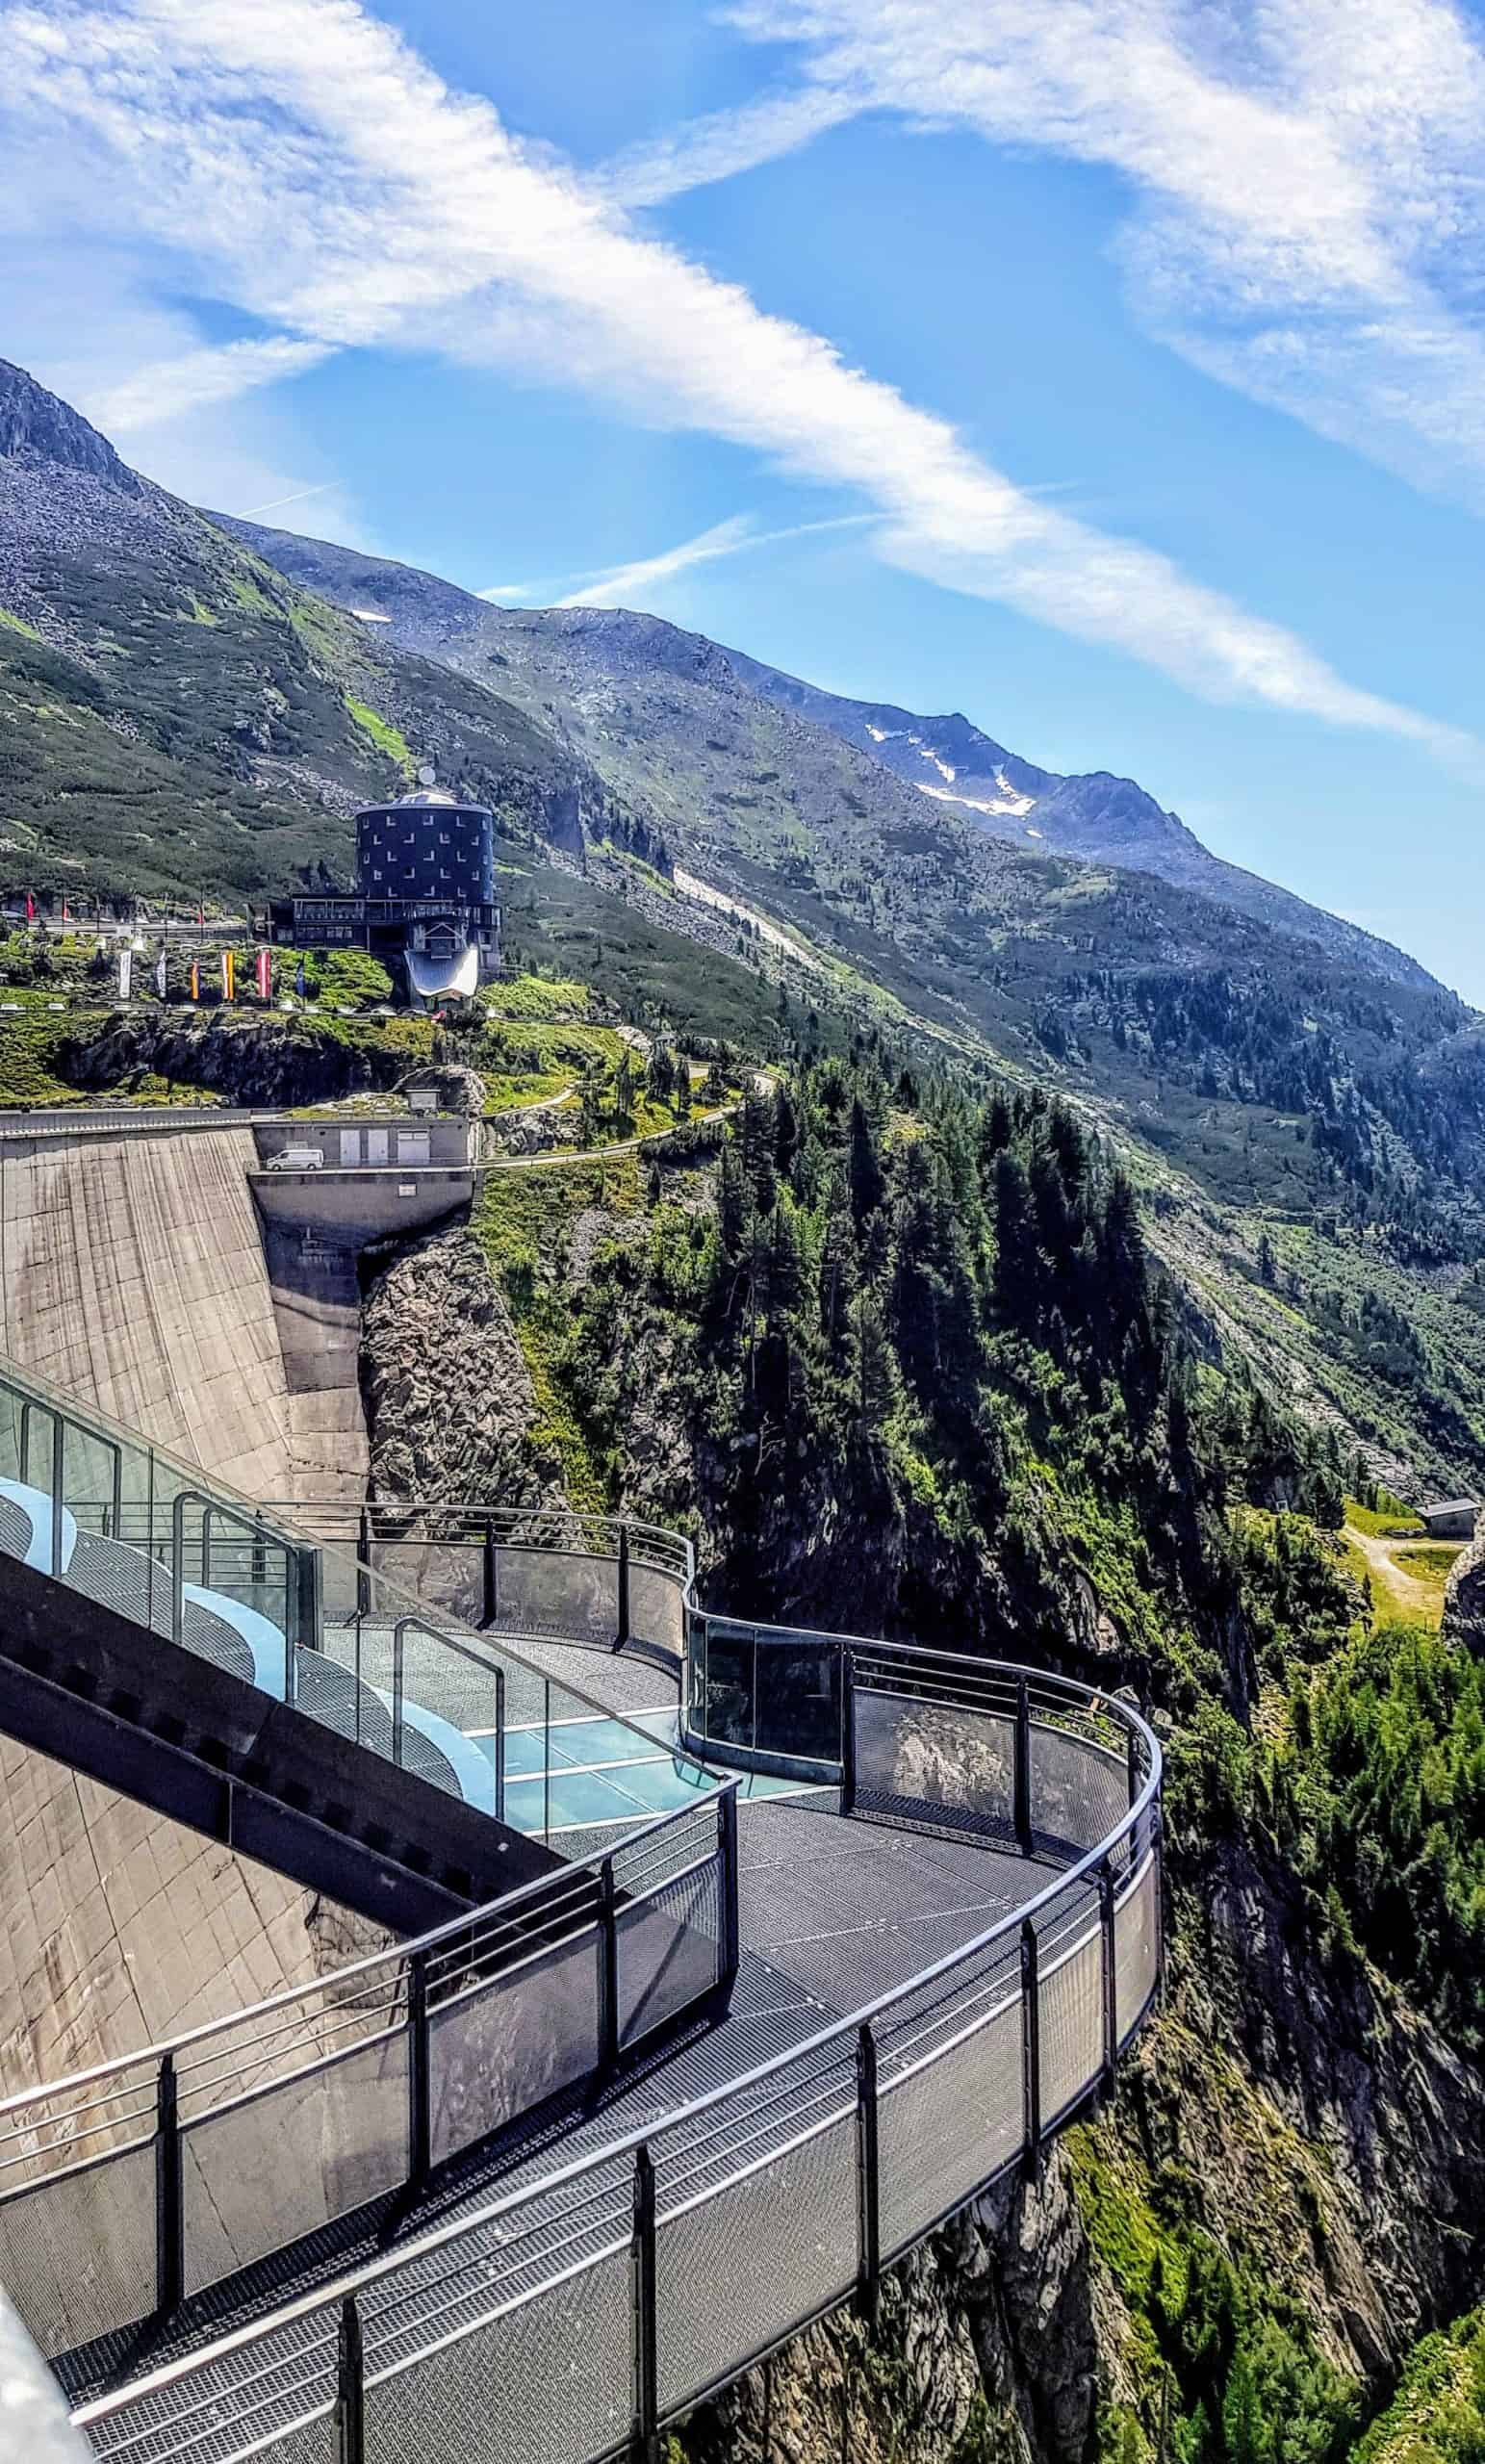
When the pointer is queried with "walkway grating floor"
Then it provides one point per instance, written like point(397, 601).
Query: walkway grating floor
point(833, 1914)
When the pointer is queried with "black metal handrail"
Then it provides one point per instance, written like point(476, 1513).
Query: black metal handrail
point(352, 2334)
point(686, 2158)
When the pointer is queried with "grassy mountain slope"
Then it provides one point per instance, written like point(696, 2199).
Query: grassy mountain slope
point(1265, 1103)
point(558, 656)
point(180, 718)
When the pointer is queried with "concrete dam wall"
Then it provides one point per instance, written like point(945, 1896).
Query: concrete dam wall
point(123, 1927)
point(133, 1272)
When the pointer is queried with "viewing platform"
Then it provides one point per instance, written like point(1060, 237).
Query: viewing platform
point(825, 1935)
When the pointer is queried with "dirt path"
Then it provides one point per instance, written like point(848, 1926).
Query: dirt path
point(1392, 1576)
point(763, 1079)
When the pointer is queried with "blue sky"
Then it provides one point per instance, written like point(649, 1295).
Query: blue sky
point(1109, 370)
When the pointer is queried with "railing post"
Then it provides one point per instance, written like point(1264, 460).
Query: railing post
point(307, 1598)
point(420, 2085)
point(177, 1567)
point(170, 2195)
point(206, 1548)
point(491, 1605)
point(1110, 2007)
point(1157, 1826)
point(349, 2386)
point(118, 1490)
point(730, 1943)
point(847, 1731)
point(1021, 1773)
point(547, 1759)
point(27, 1406)
point(1031, 2038)
point(1132, 1762)
point(647, 2343)
point(499, 1745)
point(396, 1691)
point(868, 2174)
point(608, 1959)
point(363, 1562)
point(623, 1634)
point(149, 1539)
point(59, 1489)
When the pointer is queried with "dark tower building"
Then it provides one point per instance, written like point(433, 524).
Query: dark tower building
point(426, 847)
point(424, 897)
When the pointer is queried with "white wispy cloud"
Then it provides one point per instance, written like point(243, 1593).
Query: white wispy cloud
point(170, 388)
point(297, 495)
point(724, 144)
point(624, 585)
point(1307, 177)
point(327, 182)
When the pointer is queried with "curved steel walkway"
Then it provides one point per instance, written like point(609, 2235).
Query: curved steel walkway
point(947, 1927)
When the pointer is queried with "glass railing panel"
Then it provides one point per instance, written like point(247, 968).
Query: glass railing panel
point(797, 1685)
point(729, 1702)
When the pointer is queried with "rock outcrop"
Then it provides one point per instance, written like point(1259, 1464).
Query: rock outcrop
point(1463, 1600)
point(450, 1402)
point(254, 1063)
point(38, 426)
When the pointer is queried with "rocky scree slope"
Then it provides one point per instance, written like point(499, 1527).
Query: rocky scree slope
point(1098, 818)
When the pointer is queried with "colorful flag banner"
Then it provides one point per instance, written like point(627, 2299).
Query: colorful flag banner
point(228, 975)
point(264, 970)
point(160, 975)
point(195, 979)
point(66, 913)
point(125, 974)
point(31, 909)
point(298, 979)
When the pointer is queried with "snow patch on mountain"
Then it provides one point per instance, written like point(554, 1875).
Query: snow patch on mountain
point(1006, 801)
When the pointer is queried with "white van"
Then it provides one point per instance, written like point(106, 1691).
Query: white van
point(296, 1159)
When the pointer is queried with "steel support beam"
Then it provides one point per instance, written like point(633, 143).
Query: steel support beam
point(647, 2342)
point(1031, 2038)
point(868, 2174)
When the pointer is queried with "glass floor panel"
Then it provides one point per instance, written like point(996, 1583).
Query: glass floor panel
point(592, 1771)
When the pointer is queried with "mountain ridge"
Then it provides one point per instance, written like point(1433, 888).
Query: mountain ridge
point(1093, 817)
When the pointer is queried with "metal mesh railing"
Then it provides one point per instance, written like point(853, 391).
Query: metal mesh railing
point(130, 2187)
point(589, 2306)
point(673, 2256)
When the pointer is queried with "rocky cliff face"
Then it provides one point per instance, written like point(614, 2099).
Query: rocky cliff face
point(449, 1403)
point(1285, 2113)
point(34, 425)
point(1463, 1600)
point(262, 1063)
